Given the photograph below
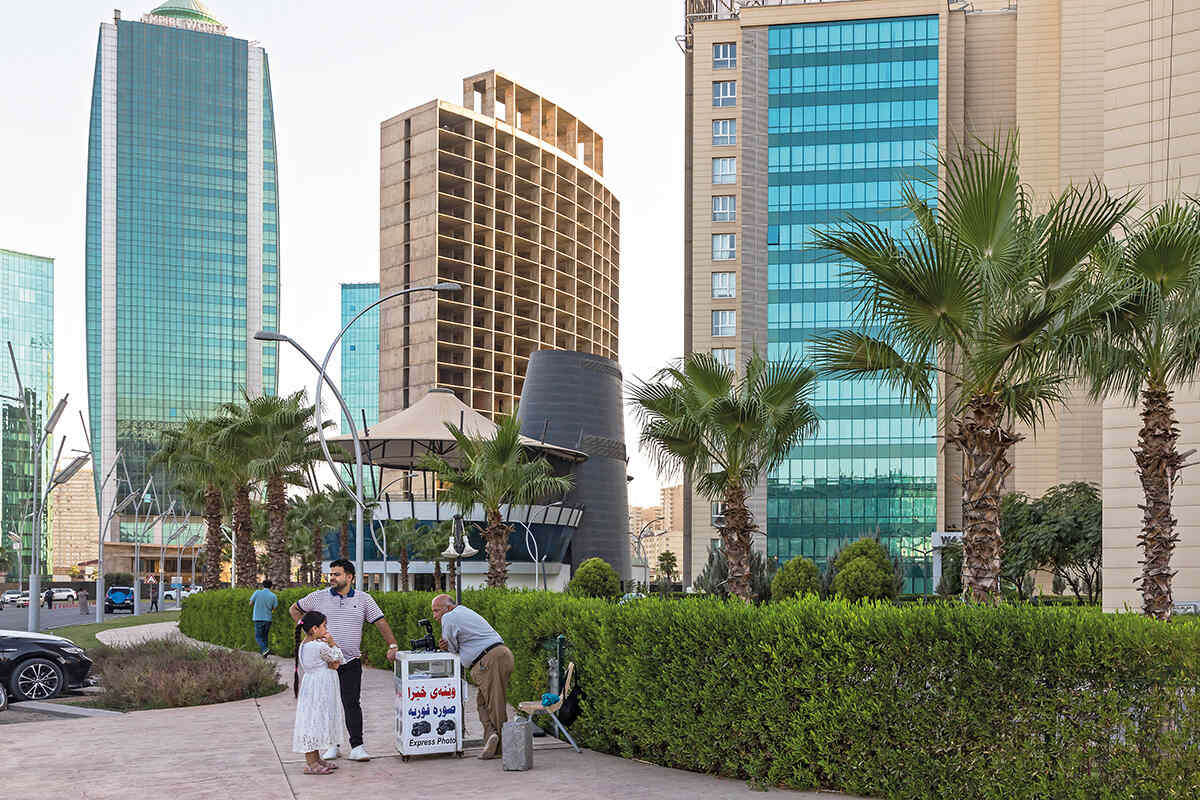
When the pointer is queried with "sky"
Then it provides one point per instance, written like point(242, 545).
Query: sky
point(337, 71)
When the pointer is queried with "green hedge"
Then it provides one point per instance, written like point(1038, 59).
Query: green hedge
point(939, 701)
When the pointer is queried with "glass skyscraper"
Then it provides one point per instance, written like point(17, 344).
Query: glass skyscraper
point(182, 245)
point(360, 354)
point(800, 116)
point(852, 114)
point(27, 322)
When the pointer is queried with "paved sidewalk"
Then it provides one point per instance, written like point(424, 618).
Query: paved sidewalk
point(244, 748)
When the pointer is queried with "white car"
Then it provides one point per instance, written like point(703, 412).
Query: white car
point(9, 596)
point(170, 594)
point(64, 595)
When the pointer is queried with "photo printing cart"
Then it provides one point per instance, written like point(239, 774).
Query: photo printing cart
point(429, 703)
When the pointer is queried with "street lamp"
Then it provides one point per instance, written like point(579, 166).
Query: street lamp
point(163, 541)
point(323, 379)
point(639, 548)
point(456, 550)
point(40, 495)
point(192, 543)
point(15, 538)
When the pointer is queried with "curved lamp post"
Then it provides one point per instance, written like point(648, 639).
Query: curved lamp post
point(323, 379)
point(458, 549)
point(639, 548)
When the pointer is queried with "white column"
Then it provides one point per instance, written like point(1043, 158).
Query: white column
point(108, 258)
point(254, 221)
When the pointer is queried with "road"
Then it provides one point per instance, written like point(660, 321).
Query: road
point(14, 619)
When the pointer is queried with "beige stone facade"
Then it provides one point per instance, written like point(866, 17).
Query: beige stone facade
point(505, 196)
point(75, 526)
point(1105, 89)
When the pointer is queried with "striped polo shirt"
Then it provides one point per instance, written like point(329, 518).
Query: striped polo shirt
point(344, 616)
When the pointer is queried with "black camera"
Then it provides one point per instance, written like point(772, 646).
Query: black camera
point(426, 642)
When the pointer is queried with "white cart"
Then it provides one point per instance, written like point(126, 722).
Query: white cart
point(430, 693)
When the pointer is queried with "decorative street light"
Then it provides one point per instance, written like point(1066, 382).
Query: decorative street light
point(458, 549)
point(41, 495)
point(15, 538)
point(323, 379)
point(639, 547)
point(194, 544)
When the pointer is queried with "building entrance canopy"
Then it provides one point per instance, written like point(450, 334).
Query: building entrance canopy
point(402, 440)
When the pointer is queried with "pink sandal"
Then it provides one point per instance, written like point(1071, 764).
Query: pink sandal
point(318, 769)
point(325, 763)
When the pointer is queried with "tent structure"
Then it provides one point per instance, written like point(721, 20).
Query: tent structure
point(402, 440)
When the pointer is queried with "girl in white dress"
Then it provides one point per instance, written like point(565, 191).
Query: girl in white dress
point(320, 723)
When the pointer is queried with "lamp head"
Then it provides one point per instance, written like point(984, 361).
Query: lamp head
point(270, 336)
point(70, 470)
point(450, 554)
point(447, 286)
point(54, 415)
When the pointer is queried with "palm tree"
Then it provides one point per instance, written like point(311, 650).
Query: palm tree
point(494, 472)
point(989, 295)
point(1153, 345)
point(233, 450)
point(278, 432)
point(724, 434)
point(403, 536)
point(341, 509)
point(198, 473)
point(429, 548)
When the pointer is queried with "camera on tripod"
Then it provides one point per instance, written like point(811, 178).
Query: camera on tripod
point(426, 642)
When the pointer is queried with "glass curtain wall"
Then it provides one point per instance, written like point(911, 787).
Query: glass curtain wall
point(852, 114)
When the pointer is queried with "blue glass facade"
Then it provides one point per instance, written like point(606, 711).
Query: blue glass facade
point(190, 268)
point(27, 321)
point(360, 354)
point(852, 112)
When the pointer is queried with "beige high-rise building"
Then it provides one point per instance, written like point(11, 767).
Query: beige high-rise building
point(504, 195)
point(75, 526)
point(798, 114)
point(672, 507)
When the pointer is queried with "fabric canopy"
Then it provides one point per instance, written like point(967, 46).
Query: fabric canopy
point(402, 440)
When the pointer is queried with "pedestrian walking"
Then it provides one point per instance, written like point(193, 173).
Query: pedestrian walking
point(347, 610)
point(153, 595)
point(320, 723)
point(488, 660)
point(48, 598)
point(262, 604)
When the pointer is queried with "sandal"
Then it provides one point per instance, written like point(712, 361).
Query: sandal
point(317, 769)
point(325, 763)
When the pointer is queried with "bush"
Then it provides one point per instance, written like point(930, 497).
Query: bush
point(930, 702)
point(595, 578)
point(169, 673)
point(797, 577)
point(864, 570)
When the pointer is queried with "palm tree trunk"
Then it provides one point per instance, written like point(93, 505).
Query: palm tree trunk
point(735, 538)
point(495, 544)
point(212, 539)
point(318, 555)
point(1159, 462)
point(438, 584)
point(279, 563)
point(404, 568)
point(451, 574)
point(243, 528)
point(344, 541)
point(984, 442)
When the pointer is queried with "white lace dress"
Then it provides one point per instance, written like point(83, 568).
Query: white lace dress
point(320, 722)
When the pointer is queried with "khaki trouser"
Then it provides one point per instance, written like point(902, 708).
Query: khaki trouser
point(490, 676)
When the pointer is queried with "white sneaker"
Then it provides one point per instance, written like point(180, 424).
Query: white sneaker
point(359, 754)
point(330, 754)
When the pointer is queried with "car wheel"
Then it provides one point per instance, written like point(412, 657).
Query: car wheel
point(37, 679)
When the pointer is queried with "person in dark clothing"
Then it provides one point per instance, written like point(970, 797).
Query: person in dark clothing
point(48, 598)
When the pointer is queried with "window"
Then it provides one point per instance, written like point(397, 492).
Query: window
point(724, 246)
point(725, 356)
point(724, 284)
point(724, 55)
point(724, 208)
point(724, 131)
point(724, 94)
point(724, 323)
point(724, 170)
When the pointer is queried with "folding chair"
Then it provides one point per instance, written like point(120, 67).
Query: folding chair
point(531, 708)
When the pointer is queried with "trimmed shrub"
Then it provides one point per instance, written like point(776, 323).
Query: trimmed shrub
point(170, 673)
point(862, 579)
point(797, 577)
point(595, 578)
point(923, 702)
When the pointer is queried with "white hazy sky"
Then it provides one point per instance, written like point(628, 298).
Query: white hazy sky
point(337, 71)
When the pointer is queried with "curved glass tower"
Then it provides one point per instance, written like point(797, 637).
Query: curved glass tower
point(182, 229)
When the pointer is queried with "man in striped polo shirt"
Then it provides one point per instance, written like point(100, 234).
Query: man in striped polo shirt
point(346, 610)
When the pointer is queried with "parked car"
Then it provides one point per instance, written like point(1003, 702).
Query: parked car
point(38, 666)
point(188, 591)
point(22, 600)
point(10, 596)
point(118, 598)
point(65, 594)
